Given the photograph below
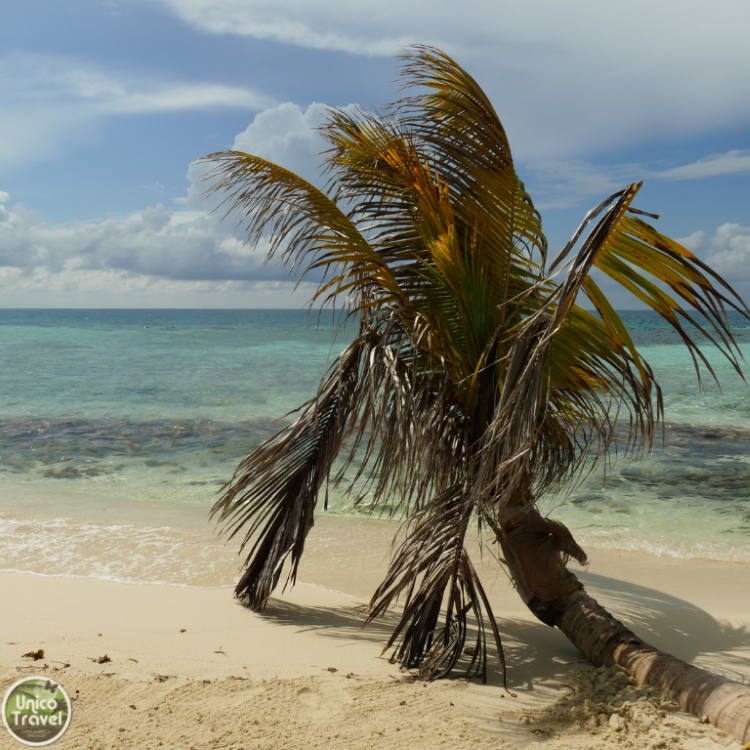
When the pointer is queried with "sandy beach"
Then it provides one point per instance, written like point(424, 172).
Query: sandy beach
point(191, 668)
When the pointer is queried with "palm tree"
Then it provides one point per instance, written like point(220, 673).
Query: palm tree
point(475, 383)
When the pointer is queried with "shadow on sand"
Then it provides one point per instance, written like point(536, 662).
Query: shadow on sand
point(676, 626)
point(537, 654)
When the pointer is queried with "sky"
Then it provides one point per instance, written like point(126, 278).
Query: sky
point(107, 105)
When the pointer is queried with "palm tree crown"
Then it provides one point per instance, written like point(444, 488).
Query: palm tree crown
point(475, 383)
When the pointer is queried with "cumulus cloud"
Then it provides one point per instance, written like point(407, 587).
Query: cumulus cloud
point(695, 242)
point(153, 258)
point(730, 252)
point(47, 99)
point(98, 289)
point(568, 79)
point(284, 134)
point(184, 245)
point(288, 137)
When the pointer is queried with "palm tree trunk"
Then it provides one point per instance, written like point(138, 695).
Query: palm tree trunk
point(605, 641)
point(533, 548)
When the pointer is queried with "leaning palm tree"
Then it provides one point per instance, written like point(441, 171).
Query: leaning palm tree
point(475, 384)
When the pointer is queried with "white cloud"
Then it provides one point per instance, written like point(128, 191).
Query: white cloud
point(730, 252)
point(333, 25)
point(288, 137)
point(564, 183)
point(153, 258)
point(108, 289)
point(695, 242)
point(557, 183)
point(180, 97)
point(186, 245)
point(286, 134)
point(157, 256)
point(44, 78)
point(49, 99)
point(732, 162)
point(568, 79)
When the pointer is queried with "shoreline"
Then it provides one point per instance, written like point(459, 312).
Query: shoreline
point(85, 535)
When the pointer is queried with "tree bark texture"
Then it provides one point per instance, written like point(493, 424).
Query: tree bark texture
point(605, 641)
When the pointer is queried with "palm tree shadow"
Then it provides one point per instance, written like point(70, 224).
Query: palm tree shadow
point(530, 647)
point(535, 652)
point(335, 622)
point(539, 655)
point(675, 625)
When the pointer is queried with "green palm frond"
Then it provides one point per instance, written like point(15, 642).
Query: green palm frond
point(307, 229)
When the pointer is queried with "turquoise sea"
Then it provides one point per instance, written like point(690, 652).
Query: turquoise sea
point(117, 427)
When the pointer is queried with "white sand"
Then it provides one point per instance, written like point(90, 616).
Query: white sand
point(304, 675)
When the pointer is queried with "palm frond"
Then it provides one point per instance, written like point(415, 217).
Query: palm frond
point(469, 146)
point(274, 491)
point(643, 261)
point(434, 174)
point(307, 229)
point(434, 575)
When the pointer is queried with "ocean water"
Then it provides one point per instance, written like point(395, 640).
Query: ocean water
point(118, 427)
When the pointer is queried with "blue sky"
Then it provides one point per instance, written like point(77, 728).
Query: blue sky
point(107, 104)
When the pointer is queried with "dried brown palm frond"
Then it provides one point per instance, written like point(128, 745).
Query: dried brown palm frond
point(432, 572)
point(274, 491)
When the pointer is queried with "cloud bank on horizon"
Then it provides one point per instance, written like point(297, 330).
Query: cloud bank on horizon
point(593, 96)
point(164, 255)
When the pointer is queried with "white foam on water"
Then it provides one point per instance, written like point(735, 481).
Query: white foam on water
point(123, 553)
point(665, 546)
point(169, 556)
